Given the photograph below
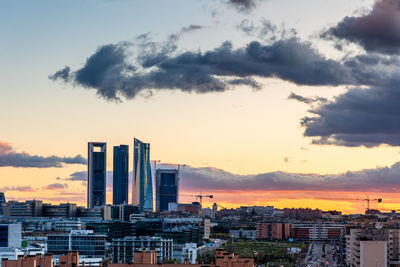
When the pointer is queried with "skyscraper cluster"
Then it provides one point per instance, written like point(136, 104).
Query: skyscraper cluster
point(142, 182)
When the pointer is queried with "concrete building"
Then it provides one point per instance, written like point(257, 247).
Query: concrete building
point(318, 232)
point(97, 168)
point(64, 210)
point(124, 249)
point(189, 253)
point(243, 234)
point(120, 174)
point(29, 208)
point(84, 241)
point(142, 187)
point(167, 184)
point(268, 230)
point(10, 235)
point(372, 247)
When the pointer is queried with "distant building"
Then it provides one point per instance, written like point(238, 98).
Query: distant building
point(84, 241)
point(167, 183)
point(123, 249)
point(2, 198)
point(97, 168)
point(142, 188)
point(142, 258)
point(120, 174)
point(65, 210)
point(10, 235)
point(29, 208)
point(269, 230)
point(189, 253)
point(243, 234)
point(89, 212)
point(318, 232)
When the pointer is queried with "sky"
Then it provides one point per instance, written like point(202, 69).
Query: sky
point(284, 103)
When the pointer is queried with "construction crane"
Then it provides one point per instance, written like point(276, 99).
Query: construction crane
point(368, 200)
point(200, 197)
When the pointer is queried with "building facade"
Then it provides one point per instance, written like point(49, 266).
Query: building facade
point(123, 249)
point(10, 235)
point(142, 189)
point(29, 208)
point(120, 174)
point(269, 230)
point(167, 184)
point(84, 241)
point(64, 210)
point(97, 168)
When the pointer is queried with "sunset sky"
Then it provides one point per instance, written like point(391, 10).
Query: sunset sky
point(268, 102)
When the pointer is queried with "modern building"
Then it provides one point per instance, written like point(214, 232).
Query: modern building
point(96, 186)
point(123, 249)
point(2, 198)
point(167, 184)
point(64, 210)
point(243, 234)
point(271, 230)
point(29, 208)
point(10, 235)
point(189, 253)
point(142, 188)
point(84, 241)
point(120, 174)
point(318, 232)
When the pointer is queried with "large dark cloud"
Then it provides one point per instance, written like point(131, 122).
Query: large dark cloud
point(109, 72)
point(359, 117)
point(377, 31)
point(77, 176)
point(214, 180)
point(10, 158)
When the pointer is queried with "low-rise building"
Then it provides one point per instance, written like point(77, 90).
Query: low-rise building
point(270, 230)
point(10, 235)
point(123, 249)
point(84, 241)
point(243, 233)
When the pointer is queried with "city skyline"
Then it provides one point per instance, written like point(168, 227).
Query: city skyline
point(291, 104)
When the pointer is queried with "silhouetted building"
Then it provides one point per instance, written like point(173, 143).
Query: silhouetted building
point(142, 188)
point(120, 174)
point(29, 208)
point(96, 195)
point(167, 183)
point(65, 210)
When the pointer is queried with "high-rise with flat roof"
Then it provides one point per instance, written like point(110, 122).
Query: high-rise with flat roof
point(120, 174)
point(166, 188)
point(142, 189)
point(96, 194)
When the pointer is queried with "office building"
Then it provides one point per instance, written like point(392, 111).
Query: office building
point(120, 174)
point(271, 230)
point(96, 194)
point(29, 208)
point(63, 210)
point(167, 183)
point(142, 188)
point(2, 198)
point(123, 249)
point(10, 235)
point(84, 241)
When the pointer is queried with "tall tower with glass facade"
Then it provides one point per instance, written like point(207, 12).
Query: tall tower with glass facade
point(96, 185)
point(142, 189)
point(167, 183)
point(120, 174)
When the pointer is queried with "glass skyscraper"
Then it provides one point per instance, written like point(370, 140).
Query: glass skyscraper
point(96, 193)
point(120, 174)
point(142, 189)
point(167, 183)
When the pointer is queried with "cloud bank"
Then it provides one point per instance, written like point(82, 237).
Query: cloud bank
point(377, 31)
point(10, 158)
point(384, 180)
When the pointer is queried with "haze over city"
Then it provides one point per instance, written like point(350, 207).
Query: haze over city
point(265, 102)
